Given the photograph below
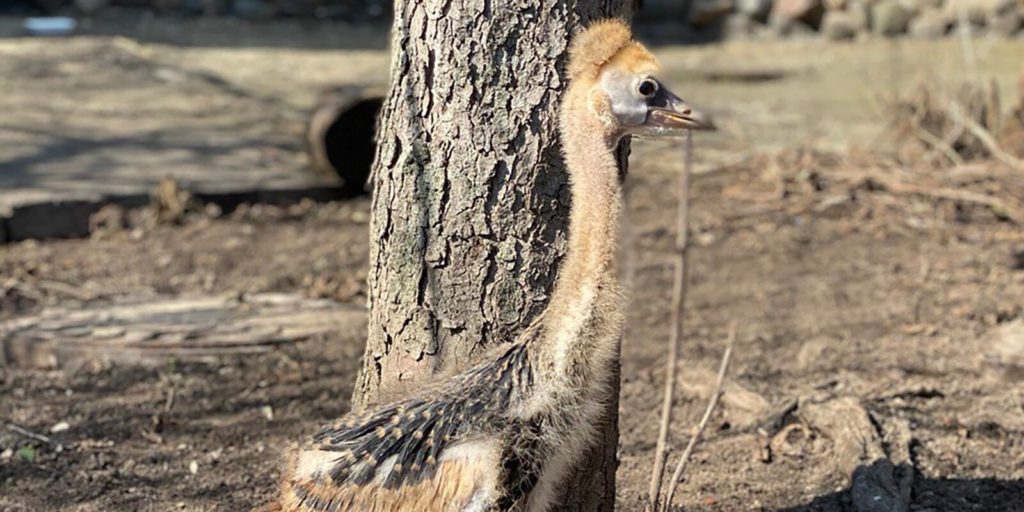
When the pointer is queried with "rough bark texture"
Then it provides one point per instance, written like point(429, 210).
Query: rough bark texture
point(470, 193)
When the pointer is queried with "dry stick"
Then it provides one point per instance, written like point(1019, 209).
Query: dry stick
point(170, 398)
point(986, 137)
point(65, 289)
point(996, 206)
point(712, 403)
point(936, 143)
point(966, 44)
point(678, 301)
point(31, 435)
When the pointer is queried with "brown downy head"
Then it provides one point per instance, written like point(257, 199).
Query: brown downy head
point(617, 77)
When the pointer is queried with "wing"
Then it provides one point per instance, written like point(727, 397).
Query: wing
point(403, 442)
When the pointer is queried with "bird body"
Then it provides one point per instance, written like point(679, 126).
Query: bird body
point(504, 433)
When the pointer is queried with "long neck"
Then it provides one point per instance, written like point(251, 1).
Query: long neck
point(593, 221)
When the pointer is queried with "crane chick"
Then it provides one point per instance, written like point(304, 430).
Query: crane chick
point(503, 434)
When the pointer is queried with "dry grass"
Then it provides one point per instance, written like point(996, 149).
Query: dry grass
point(957, 126)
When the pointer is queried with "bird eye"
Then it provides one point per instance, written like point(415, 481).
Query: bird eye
point(647, 88)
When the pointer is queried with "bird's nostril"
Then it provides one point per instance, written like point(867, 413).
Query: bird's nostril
point(686, 112)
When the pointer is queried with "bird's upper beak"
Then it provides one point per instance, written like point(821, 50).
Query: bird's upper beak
point(666, 111)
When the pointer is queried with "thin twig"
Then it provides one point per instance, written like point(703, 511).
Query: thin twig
point(728, 165)
point(170, 398)
point(712, 403)
point(997, 207)
point(678, 302)
point(31, 435)
point(936, 143)
point(65, 289)
point(966, 44)
point(986, 137)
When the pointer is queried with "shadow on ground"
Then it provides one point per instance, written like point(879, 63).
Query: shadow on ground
point(223, 32)
point(931, 494)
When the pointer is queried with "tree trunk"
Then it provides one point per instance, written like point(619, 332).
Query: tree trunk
point(470, 194)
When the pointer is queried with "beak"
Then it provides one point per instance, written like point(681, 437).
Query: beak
point(668, 111)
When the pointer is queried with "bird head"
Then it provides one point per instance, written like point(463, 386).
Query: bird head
point(619, 78)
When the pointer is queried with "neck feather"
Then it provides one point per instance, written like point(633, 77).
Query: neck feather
point(593, 221)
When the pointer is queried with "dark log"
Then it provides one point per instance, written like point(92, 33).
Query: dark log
point(341, 136)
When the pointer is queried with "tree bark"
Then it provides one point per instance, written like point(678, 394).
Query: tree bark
point(470, 194)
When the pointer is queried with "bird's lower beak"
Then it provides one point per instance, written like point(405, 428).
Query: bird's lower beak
point(680, 115)
point(668, 113)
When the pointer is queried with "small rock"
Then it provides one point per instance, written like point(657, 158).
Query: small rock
point(890, 17)
point(756, 9)
point(930, 25)
point(861, 11)
point(171, 202)
point(213, 210)
point(738, 26)
point(7, 454)
point(268, 412)
point(838, 26)
point(193, 467)
point(170, 75)
point(59, 427)
point(792, 29)
point(706, 238)
point(976, 11)
point(1006, 352)
point(813, 353)
point(742, 407)
point(127, 468)
point(109, 219)
point(810, 12)
point(1006, 24)
point(990, 7)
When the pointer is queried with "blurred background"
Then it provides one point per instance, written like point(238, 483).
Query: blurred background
point(183, 246)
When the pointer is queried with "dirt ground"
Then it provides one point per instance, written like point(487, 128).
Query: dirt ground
point(850, 275)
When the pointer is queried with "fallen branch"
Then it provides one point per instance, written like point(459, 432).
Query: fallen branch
point(678, 301)
point(677, 475)
point(999, 208)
